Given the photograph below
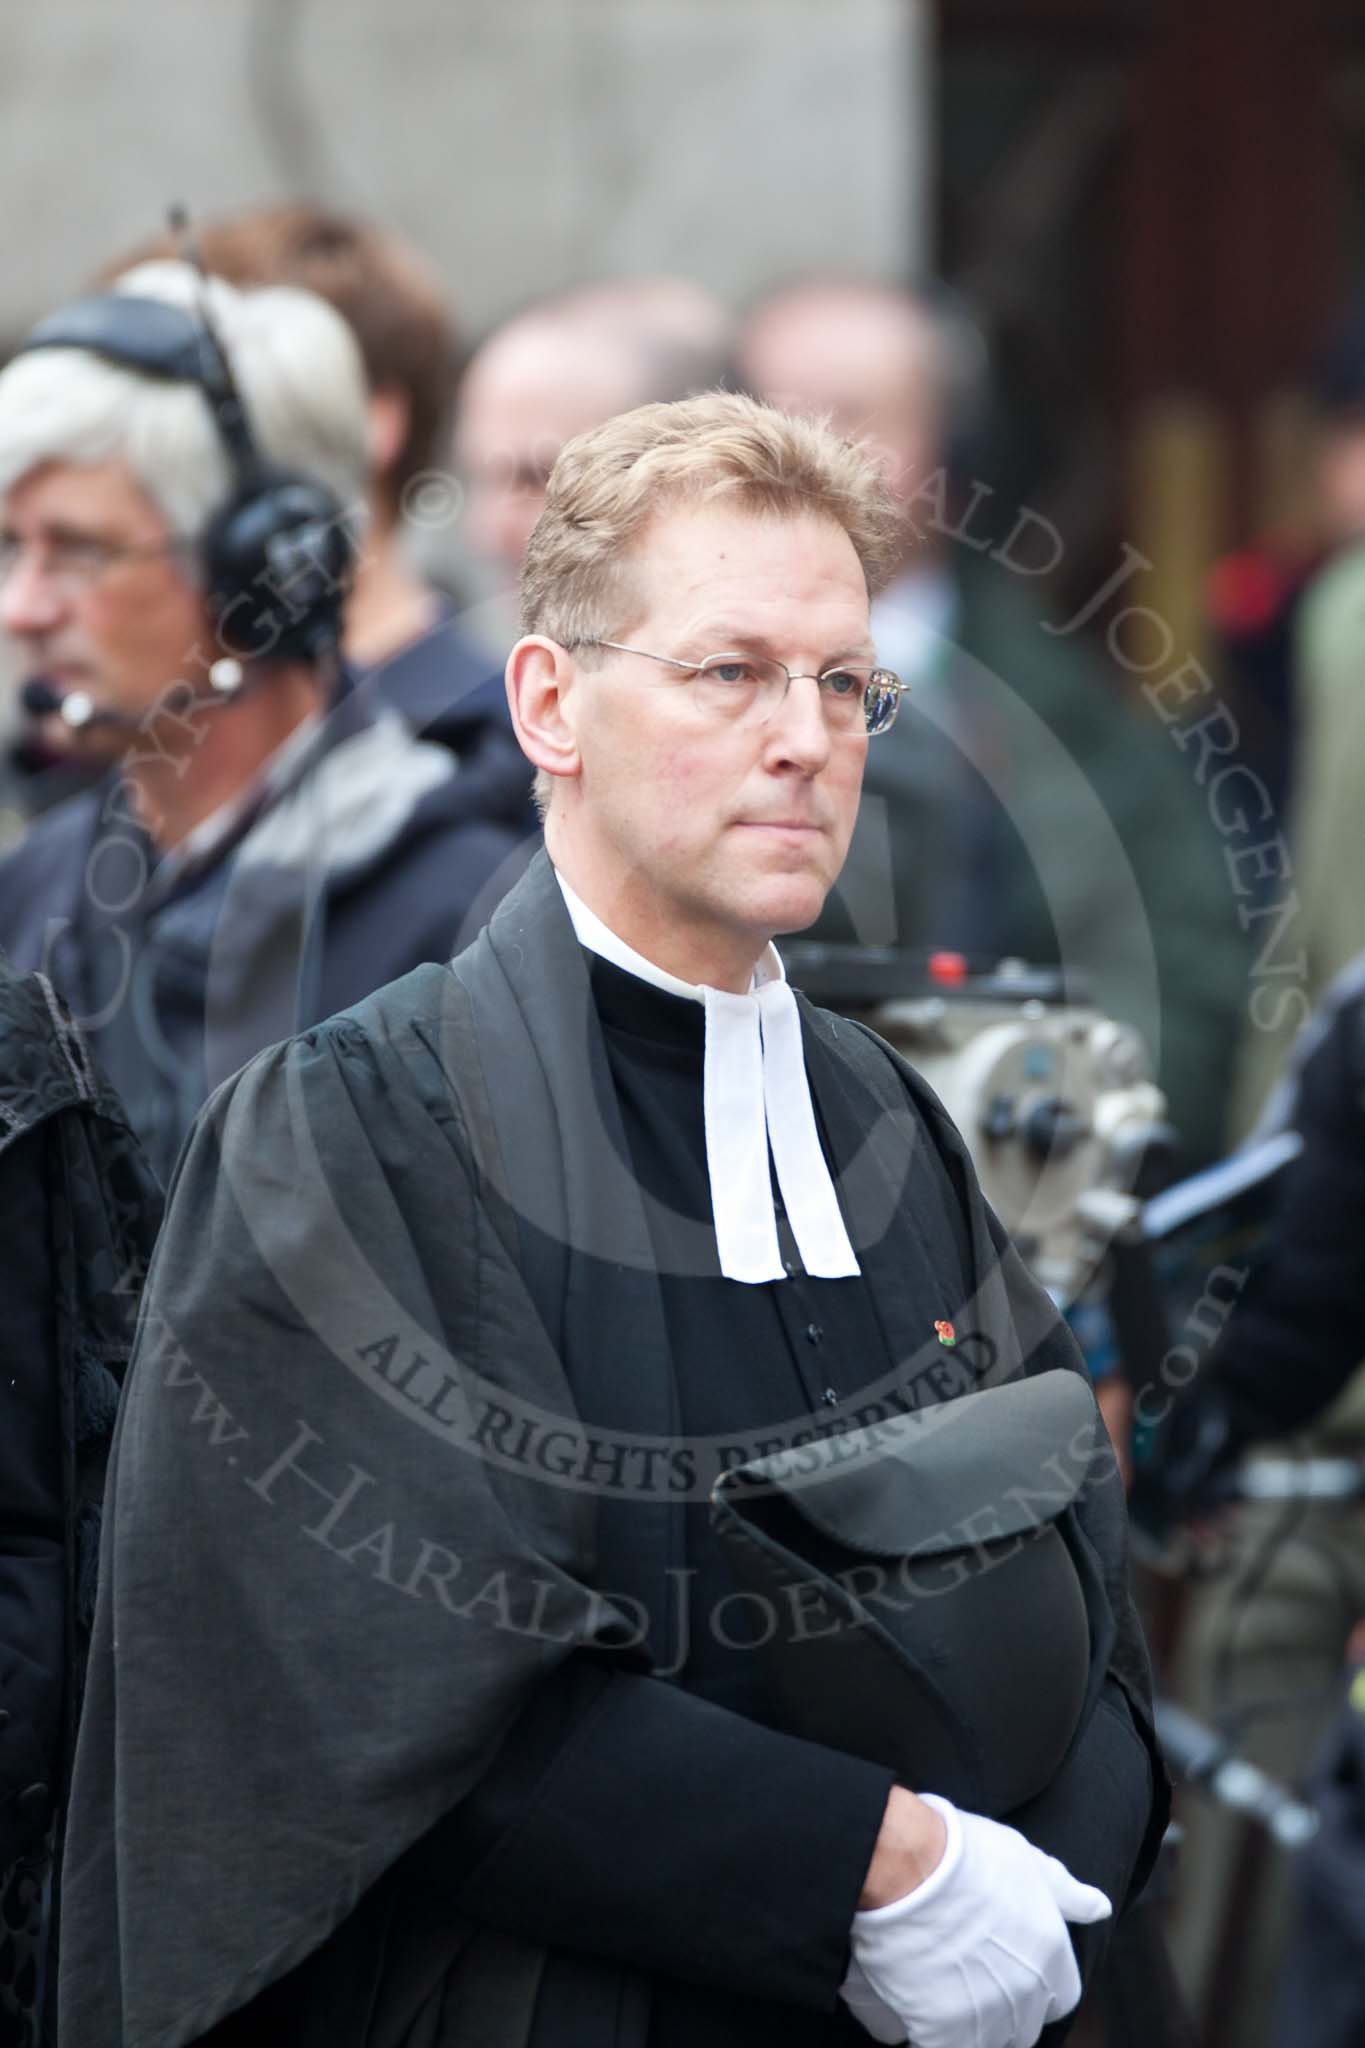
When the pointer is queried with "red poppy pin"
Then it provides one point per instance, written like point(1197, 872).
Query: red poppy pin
point(945, 1333)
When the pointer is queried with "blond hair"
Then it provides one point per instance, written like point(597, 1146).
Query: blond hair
point(610, 482)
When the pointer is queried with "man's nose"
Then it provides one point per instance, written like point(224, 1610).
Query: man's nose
point(798, 731)
point(31, 601)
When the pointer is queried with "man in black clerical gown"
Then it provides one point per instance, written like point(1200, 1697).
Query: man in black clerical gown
point(421, 1709)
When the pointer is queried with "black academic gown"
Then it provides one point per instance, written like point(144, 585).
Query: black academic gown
point(78, 1214)
point(553, 1823)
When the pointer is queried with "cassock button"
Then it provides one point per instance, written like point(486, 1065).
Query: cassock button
point(814, 1333)
point(830, 1398)
point(790, 1268)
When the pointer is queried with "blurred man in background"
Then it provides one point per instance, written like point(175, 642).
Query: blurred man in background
point(1256, 595)
point(1022, 804)
point(271, 846)
point(401, 630)
point(565, 364)
point(1297, 1334)
point(1262, 1644)
point(1269, 1633)
point(1315, 686)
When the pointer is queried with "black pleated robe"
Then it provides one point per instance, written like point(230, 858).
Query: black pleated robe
point(472, 1216)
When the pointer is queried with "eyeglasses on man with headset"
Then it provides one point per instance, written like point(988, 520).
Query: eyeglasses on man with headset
point(75, 562)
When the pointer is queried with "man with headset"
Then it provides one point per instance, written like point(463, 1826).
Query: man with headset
point(402, 630)
point(182, 476)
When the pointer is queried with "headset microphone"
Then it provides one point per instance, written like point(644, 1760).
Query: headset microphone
point(78, 709)
point(75, 708)
point(39, 699)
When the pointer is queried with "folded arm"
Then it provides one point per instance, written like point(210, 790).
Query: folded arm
point(628, 1819)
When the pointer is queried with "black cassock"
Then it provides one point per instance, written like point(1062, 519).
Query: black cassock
point(501, 1816)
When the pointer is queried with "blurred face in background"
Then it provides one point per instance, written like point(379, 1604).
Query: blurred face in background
point(529, 389)
point(1340, 469)
point(96, 596)
point(864, 357)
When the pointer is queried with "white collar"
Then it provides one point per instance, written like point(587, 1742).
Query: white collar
point(756, 1096)
point(599, 938)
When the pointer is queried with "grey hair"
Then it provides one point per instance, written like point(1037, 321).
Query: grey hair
point(296, 365)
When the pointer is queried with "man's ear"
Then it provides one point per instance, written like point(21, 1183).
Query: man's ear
point(540, 674)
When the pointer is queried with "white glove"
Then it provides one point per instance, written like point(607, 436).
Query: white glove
point(873, 2014)
point(978, 1955)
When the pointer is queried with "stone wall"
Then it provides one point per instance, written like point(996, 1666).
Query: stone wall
point(523, 145)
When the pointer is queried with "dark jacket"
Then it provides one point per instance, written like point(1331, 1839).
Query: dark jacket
point(446, 689)
point(443, 686)
point(1297, 1333)
point(360, 1444)
point(374, 851)
point(78, 1214)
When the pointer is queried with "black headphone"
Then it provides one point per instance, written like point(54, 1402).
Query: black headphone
point(279, 553)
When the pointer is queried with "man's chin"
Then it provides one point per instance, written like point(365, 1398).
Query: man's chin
point(792, 905)
point(94, 747)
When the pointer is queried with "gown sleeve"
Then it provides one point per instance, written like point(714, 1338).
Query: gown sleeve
point(301, 1561)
